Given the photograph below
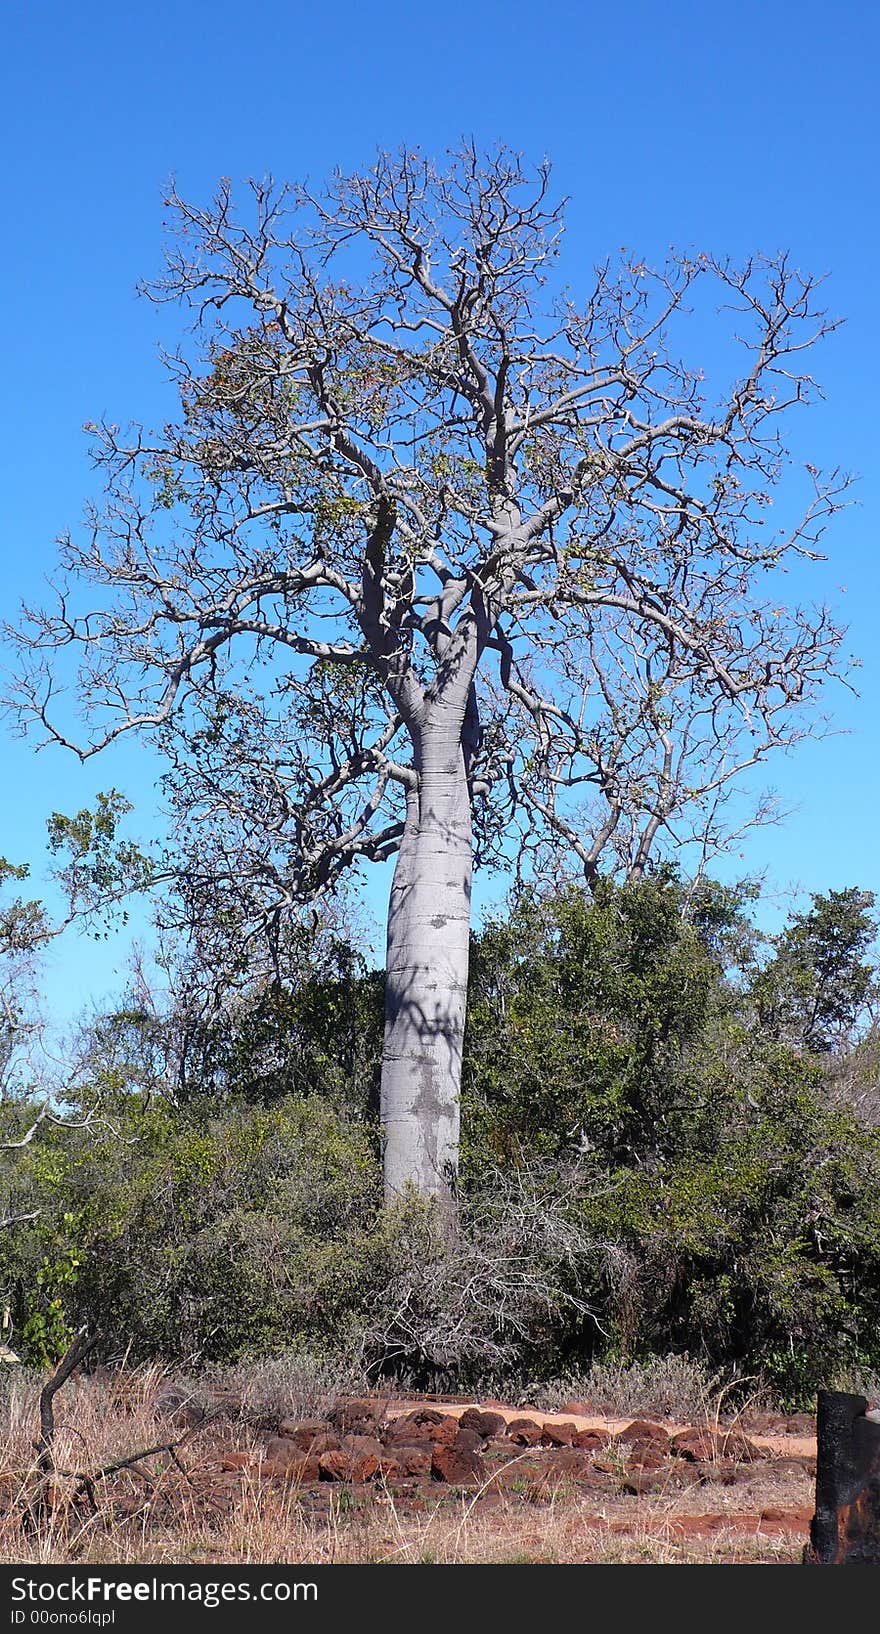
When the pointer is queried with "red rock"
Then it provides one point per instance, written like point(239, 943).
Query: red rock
point(335, 1465)
point(607, 1466)
point(413, 1459)
point(698, 1446)
point(362, 1446)
point(591, 1439)
point(237, 1460)
point(796, 1518)
point(356, 1417)
point(525, 1432)
point(354, 1467)
point(640, 1483)
point(324, 1441)
point(558, 1435)
point(282, 1451)
point(405, 1464)
point(643, 1433)
point(301, 1469)
point(311, 1435)
point(487, 1424)
point(457, 1466)
point(390, 1468)
point(468, 1440)
point(425, 1424)
point(646, 1457)
point(703, 1445)
point(733, 1444)
point(411, 1443)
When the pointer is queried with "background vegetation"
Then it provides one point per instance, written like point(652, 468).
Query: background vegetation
point(672, 1146)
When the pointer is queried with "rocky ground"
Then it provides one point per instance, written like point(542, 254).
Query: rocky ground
point(372, 1479)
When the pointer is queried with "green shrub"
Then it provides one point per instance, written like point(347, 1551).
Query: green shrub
point(648, 1170)
point(740, 1209)
point(207, 1238)
point(581, 1014)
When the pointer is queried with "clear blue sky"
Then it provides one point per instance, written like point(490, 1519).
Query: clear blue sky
point(726, 127)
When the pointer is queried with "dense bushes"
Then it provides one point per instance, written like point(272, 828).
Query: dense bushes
point(763, 1254)
point(206, 1237)
point(260, 1230)
point(320, 1034)
point(581, 1012)
point(650, 1165)
point(745, 1206)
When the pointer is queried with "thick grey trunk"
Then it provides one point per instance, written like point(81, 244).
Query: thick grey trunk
point(426, 983)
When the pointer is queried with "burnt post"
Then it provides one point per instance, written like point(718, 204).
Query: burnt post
point(845, 1529)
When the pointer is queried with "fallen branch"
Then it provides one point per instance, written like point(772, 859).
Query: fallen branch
point(19, 1219)
point(87, 1480)
point(149, 1452)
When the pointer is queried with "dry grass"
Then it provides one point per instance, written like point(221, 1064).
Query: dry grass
point(664, 1387)
point(264, 1391)
point(190, 1512)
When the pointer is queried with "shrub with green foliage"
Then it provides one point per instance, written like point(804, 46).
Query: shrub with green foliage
point(815, 989)
point(260, 1231)
point(744, 1207)
point(761, 1253)
point(319, 1036)
point(650, 1166)
point(207, 1237)
point(581, 1014)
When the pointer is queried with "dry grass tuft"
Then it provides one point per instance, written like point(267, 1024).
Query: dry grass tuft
point(664, 1387)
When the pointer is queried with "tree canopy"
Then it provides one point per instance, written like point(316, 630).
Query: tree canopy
point(441, 559)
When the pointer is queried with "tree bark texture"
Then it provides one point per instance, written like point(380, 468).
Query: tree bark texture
point(426, 982)
point(845, 1530)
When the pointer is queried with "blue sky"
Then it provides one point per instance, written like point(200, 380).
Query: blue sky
point(718, 127)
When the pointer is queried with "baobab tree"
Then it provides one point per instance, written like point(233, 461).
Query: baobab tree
point(439, 561)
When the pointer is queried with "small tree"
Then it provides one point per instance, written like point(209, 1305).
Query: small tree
point(817, 986)
point(583, 1009)
point(434, 555)
point(96, 870)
